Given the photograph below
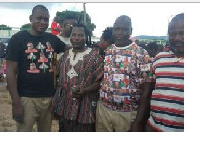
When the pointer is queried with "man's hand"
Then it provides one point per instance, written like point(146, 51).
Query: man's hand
point(18, 112)
point(68, 46)
point(137, 127)
point(80, 92)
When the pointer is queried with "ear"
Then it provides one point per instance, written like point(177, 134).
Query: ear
point(30, 18)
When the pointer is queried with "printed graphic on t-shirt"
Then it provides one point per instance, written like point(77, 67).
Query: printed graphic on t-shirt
point(30, 48)
point(33, 68)
point(49, 48)
point(41, 57)
point(124, 70)
point(31, 56)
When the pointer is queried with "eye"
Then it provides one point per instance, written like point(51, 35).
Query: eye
point(81, 35)
point(39, 18)
point(46, 19)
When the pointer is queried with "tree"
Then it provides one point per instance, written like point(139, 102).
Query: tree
point(76, 15)
point(25, 26)
point(5, 27)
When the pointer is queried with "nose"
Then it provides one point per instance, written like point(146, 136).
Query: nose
point(42, 21)
point(77, 37)
point(120, 32)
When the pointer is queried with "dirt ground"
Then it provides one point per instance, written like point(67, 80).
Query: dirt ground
point(7, 124)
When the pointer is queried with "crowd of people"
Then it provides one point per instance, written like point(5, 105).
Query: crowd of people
point(116, 85)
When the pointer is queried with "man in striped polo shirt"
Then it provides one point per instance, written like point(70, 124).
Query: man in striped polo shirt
point(167, 99)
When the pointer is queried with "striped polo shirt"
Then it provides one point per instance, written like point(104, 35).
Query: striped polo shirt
point(167, 101)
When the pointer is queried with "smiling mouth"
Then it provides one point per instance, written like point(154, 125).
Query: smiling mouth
point(42, 27)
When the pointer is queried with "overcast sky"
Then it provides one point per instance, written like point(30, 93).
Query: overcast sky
point(147, 18)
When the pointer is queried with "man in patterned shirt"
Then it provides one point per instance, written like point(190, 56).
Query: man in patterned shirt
point(120, 87)
point(80, 72)
point(167, 100)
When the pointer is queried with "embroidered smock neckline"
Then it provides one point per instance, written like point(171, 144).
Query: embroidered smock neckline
point(79, 56)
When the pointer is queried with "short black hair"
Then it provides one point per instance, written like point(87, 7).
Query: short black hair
point(124, 18)
point(87, 33)
point(107, 35)
point(176, 18)
point(152, 45)
point(42, 7)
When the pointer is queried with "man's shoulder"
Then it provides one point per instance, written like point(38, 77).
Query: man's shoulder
point(20, 33)
point(163, 54)
point(163, 57)
point(51, 36)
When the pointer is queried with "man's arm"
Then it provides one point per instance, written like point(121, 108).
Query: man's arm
point(11, 73)
point(144, 107)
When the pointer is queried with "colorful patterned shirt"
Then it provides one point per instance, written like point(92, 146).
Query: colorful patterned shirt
point(167, 102)
point(125, 68)
point(85, 69)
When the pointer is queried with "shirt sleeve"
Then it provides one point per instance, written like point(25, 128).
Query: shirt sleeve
point(94, 68)
point(60, 45)
point(146, 72)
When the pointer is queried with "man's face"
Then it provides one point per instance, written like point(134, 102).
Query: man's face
point(103, 43)
point(40, 21)
point(78, 38)
point(176, 36)
point(121, 32)
point(67, 26)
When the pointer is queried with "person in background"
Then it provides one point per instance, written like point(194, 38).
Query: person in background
point(105, 41)
point(80, 72)
point(55, 27)
point(166, 47)
point(152, 49)
point(30, 72)
point(167, 99)
point(120, 87)
point(66, 28)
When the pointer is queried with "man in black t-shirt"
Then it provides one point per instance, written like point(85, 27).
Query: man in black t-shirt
point(30, 64)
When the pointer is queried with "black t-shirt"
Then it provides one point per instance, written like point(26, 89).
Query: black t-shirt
point(35, 57)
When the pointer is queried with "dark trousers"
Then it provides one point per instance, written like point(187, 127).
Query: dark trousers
point(75, 126)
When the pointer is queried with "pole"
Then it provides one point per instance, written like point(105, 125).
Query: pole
point(84, 15)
